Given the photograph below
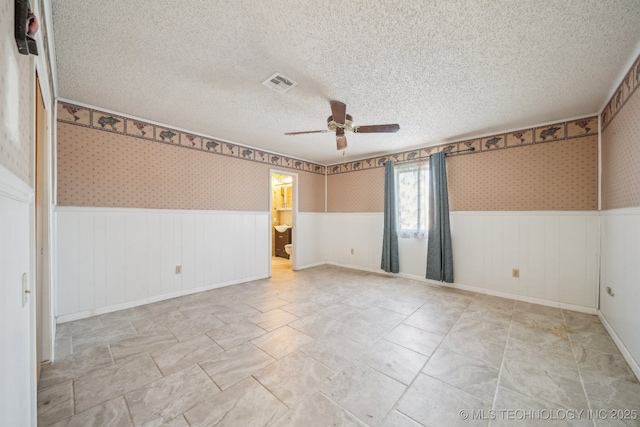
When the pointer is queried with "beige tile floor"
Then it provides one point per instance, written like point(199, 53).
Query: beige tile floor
point(329, 346)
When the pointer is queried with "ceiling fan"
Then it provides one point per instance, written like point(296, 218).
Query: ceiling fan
point(339, 122)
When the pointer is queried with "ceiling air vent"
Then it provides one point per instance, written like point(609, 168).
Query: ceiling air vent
point(280, 83)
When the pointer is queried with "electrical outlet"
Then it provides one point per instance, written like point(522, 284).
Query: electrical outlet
point(178, 269)
point(351, 251)
point(515, 272)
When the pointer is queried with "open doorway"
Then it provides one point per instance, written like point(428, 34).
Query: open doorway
point(283, 210)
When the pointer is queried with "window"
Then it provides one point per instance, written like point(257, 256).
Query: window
point(412, 193)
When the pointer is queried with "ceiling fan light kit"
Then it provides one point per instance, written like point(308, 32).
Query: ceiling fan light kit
point(341, 140)
point(339, 122)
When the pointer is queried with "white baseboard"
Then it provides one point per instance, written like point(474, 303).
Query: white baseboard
point(523, 298)
point(315, 264)
point(130, 304)
point(616, 339)
point(556, 304)
point(357, 267)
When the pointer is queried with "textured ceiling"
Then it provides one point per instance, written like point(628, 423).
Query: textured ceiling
point(443, 70)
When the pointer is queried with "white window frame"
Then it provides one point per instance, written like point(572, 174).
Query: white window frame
point(422, 200)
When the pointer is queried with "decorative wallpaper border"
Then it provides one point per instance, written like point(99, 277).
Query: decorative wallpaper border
point(521, 138)
point(99, 120)
point(629, 84)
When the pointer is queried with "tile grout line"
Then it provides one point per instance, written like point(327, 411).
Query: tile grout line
point(128, 409)
point(347, 410)
point(252, 376)
point(504, 357)
point(207, 374)
point(343, 408)
point(156, 363)
point(113, 360)
point(304, 288)
point(437, 347)
point(73, 385)
point(541, 400)
point(395, 406)
point(573, 353)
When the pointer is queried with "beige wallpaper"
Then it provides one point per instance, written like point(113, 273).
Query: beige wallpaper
point(310, 192)
point(361, 191)
point(109, 169)
point(620, 145)
point(16, 101)
point(107, 160)
point(561, 175)
point(553, 167)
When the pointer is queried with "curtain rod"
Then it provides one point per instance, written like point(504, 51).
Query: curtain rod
point(456, 152)
point(446, 154)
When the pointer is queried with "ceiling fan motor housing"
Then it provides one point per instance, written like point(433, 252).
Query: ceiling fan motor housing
point(344, 123)
point(348, 123)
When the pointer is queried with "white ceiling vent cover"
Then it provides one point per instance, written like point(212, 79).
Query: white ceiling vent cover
point(280, 83)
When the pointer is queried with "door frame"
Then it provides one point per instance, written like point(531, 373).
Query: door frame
point(47, 317)
point(39, 227)
point(294, 215)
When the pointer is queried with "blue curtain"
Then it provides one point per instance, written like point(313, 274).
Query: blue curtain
point(390, 261)
point(439, 254)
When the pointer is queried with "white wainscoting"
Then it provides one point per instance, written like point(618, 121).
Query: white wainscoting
point(111, 258)
point(310, 230)
point(361, 232)
point(620, 264)
point(556, 253)
point(17, 322)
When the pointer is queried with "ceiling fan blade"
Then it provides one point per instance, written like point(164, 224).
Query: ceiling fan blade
point(338, 111)
point(307, 131)
point(341, 140)
point(377, 128)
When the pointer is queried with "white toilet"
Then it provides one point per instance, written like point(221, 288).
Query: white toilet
point(288, 248)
